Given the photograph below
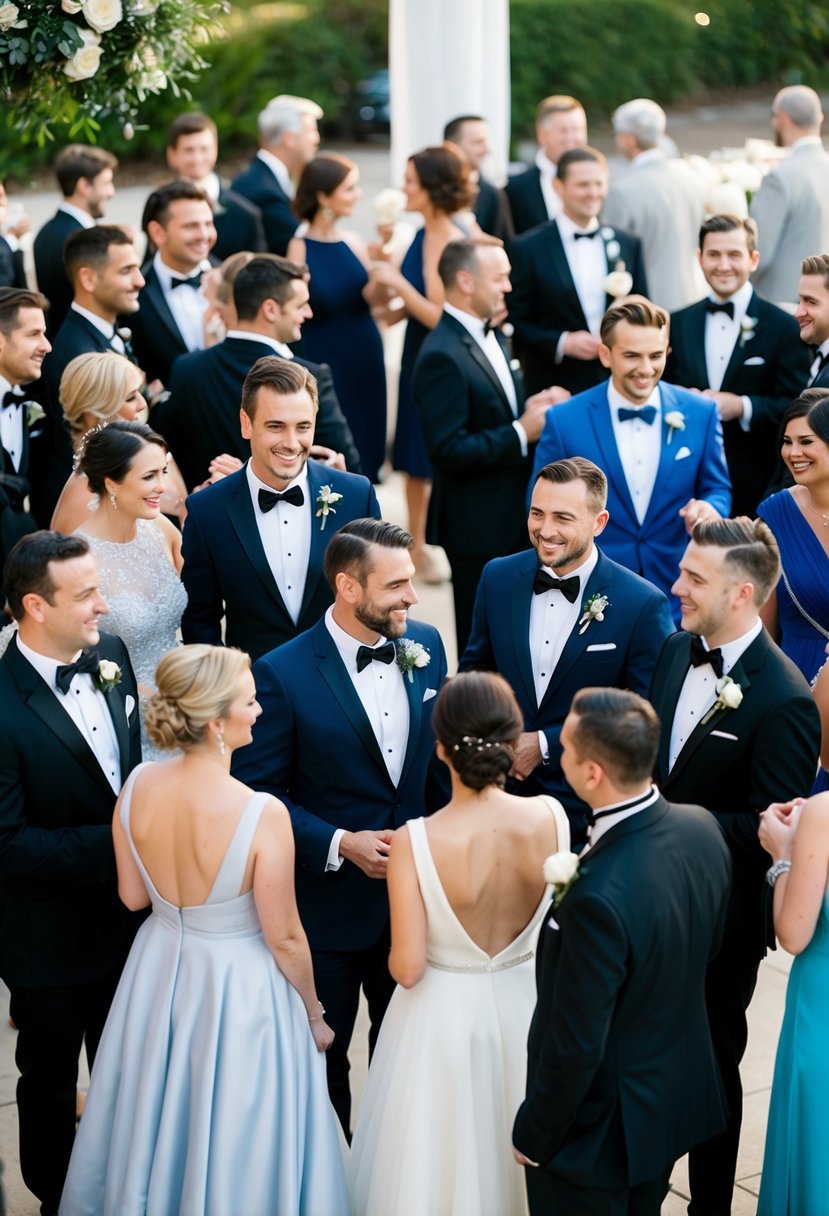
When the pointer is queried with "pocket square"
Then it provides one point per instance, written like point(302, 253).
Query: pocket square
point(757, 361)
point(553, 923)
point(723, 734)
point(129, 705)
point(429, 693)
point(602, 646)
point(682, 454)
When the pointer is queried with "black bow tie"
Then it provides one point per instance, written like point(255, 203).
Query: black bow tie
point(383, 654)
point(586, 236)
point(489, 328)
point(269, 498)
point(569, 587)
point(11, 398)
point(194, 281)
point(700, 656)
point(86, 663)
point(726, 306)
point(646, 413)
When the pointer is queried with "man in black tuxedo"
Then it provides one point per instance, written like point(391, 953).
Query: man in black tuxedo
point(288, 139)
point(469, 132)
point(562, 282)
point(739, 731)
point(254, 543)
point(812, 316)
point(178, 221)
point(69, 722)
point(201, 416)
point(560, 125)
point(192, 153)
point(478, 426)
point(740, 351)
point(12, 270)
point(622, 1077)
point(85, 177)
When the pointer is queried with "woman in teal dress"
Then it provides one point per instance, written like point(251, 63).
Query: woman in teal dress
point(795, 1178)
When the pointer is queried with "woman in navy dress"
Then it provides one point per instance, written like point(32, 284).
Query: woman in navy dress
point(342, 331)
point(437, 186)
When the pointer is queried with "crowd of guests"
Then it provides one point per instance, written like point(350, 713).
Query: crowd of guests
point(191, 442)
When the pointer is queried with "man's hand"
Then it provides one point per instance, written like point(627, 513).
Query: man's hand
point(580, 344)
point(532, 420)
point(729, 405)
point(697, 511)
point(223, 465)
point(327, 456)
point(368, 850)
point(522, 1160)
point(527, 755)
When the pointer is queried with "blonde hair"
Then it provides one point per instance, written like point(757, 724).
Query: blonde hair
point(228, 271)
point(96, 384)
point(196, 683)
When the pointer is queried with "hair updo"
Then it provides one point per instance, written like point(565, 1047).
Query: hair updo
point(195, 684)
point(108, 451)
point(478, 721)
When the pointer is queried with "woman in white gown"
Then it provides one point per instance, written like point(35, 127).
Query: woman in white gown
point(467, 897)
point(208, 1094)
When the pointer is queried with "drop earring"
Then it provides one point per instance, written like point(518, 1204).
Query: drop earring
point(220, 739)
point(327, 215)
point(113, 500)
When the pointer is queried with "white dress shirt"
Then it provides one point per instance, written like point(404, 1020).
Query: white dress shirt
point(699, 690)
point(722, 333)
point(608, 816)
point(86, 706)
point(488, 343)
point(83, 217)
point(639, 446)
point(12, 422)
point(279, 169)
point(246, 335)
point(285, 532)
point(588, 266)
point(822, 352)
point(106, 328)
point(552, 619)
point(547, 170)
point(187, 304)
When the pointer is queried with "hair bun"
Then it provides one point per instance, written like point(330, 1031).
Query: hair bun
point(167, 725)
point(481, 762)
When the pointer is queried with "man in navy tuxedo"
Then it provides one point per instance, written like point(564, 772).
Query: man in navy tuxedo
point(812, 316)
point(345, 740)
point(85, 178)
point(288, 139)
point(539, 622)
point(561, 279)
point(660, 447)
point(560, 125)
point(254, 543)
point(491, 210)
point(741, 352)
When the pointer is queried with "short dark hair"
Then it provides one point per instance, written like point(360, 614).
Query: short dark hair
point(265, 277)
point(12, 299)
point(751, 551)
point(191, 123)
point(281, 376)
point(26, 571)
point(349, 550)
point(109, 450)
point(463, 255)
point(79, 160)
point(577, 156)
point(619, 730)
point(157, 206)
point(90, 247)
point(818, 265)
point(730, 223)
point(322, 175)
point(577, 468)
point(454, 128)
point(636, 310)
point(813, 405)
point(477, 719)
point(444, 173)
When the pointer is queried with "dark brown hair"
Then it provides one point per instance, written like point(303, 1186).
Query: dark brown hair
point(619, 730)
point(109, 451)
point(322, 175)
point(444, 173)
point(577, 468)
point(349, 550)
point(751, 555)
point(282, 376)
point(78, 160)
point(26, 571)
point(477, 720)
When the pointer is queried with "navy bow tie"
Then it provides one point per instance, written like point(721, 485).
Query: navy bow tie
point(269, 498)
point(11, 398)
point(86, 663)
point(194, 281)
point(726, 306)
point(647, 413)
point(586, 236)
point(383, 654)
point(569, 587)
point(700, 656)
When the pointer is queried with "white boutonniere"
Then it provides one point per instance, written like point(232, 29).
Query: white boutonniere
point(613, 249)
point(619, 282)
point(675, 421)
point(747, 328)
point(561, 870)
point(729, 696)
point(410, 655)
point(325, 503)
point(593, 609)
point(109, 674)
point(34, 414)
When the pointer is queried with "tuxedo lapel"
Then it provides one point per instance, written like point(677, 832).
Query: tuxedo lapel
point(414, 692)
point(742, 349)
point(739, 674)
point(118, 712)
point(566, 283)
point(240, 513)
point(155, 296)
point(332, 669)
point(695, 348)
point(674, 680)
point(577, 642)
point(602, 423)
point(639, 822)
point(521, 596)
point(667, 457)
point(320, 536)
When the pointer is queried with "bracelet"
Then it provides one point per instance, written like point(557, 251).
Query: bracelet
point(774, 872)
point(321, 1014)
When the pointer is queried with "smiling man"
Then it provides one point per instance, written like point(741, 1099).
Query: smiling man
point(812, 316)
point(660, 447)
point(254, 542)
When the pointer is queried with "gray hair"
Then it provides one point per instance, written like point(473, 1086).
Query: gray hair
point(801, 104)
point(285, 113)
point(643, 119)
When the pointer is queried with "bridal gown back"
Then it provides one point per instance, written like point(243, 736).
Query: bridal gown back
point(434, 1136)
point(208, 1095)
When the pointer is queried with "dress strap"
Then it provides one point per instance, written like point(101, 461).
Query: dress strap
point(562, 822)
point(232, 870)
point(126, 804)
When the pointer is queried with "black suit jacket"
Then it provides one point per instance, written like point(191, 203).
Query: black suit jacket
point(621, 1075)
point(12, 273)
point(61, 921)
point(16, 485)
point(770, 367)
point(822, 378)
point(544, 303)
point(739, 761)
point(238, 224)
point(492, 211)
point(51, 277)
point(156, 338)
point(258, 184)
point(200, 418)
point(526, 201)
point(480, 475)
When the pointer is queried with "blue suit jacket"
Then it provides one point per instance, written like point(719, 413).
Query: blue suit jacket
point(618, 652)
point(314, 748)
point(258, 184)
point(691, 465)
point(226, 572)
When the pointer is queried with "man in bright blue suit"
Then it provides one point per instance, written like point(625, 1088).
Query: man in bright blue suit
point(560, 618)
point(345, 740)
point(660, 447)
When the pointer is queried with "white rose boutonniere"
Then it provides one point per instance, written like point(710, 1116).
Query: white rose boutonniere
point(729, 696)
point(34, 414)
point(674, 421)
point(325, 504)
point(619, 282)
point(109, 674)
point(747, 328)
point(593, 609)
point(613, 249)
point(410, 655)
point(561, 870)
point(87, 58)
point(102, 15)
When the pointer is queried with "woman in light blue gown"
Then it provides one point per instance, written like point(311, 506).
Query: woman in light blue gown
point(208, 1095)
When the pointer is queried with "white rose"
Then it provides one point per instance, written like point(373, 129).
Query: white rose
point(560, 868)
point(9, 14)
point(153, 81)
point(71, 6)
point(421, 659)
point(675, 420)
point(108, 670)
point(87, 59)
point(387, 206)
point(730, 693)
point(607, 234)
point(613, 249)
point(102, 15)
point(618, 283)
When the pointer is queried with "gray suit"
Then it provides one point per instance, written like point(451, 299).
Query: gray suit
point(792, 213)
point(663, 206)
